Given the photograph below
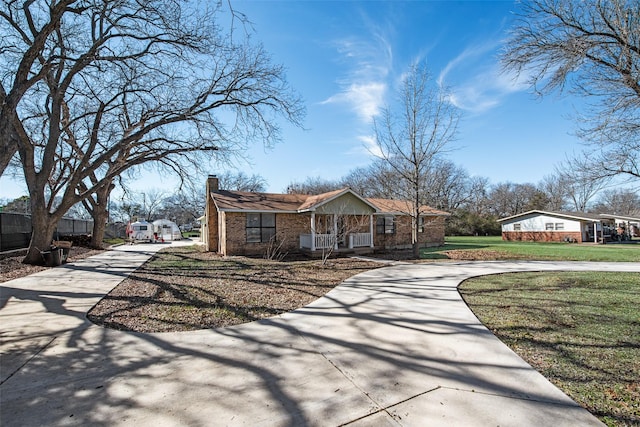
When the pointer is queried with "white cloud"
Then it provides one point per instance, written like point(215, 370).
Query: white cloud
point(364, 98)
point(363, 87)
point(478, 85)
point(370, 146)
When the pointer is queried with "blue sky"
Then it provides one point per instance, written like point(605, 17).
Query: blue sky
point(346, 59)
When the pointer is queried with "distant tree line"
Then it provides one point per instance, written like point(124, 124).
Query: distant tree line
point(475, 204)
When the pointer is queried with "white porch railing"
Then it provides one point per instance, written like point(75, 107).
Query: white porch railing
point(359, 240)
point(322, 241)
point(327, 241)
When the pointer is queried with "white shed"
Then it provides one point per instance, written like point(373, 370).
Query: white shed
point(166, 230)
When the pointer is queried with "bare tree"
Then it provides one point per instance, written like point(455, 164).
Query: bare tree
point(91, 90)
point(376, 180)
point(411, 138)
point(593, 48)
point(620, 201)
point(240, 181)
point(478, 196)
point(149, 203)
point(313, 185)
point(555, 189)
point(448, 186)
point(184, 207)
point(508, 199)
point(579, 185)
point(362, 180)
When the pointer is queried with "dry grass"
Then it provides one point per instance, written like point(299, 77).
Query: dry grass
point(186, 288)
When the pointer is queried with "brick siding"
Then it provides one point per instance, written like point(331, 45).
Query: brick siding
point(542, 236)
point(288, 229)
point(433, 231)
point(432, 234)
point(228, 237)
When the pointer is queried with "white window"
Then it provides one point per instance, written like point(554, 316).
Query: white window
point(548, 226)
point(559, 225)
point(517, 226)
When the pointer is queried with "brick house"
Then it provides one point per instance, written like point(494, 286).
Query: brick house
point(537, 225)
point(246, 223)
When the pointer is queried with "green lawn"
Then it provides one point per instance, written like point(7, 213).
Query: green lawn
point(580, 330)
point(494, 245)
point(114, 241)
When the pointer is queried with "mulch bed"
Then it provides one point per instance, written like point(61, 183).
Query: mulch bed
point(186, 289)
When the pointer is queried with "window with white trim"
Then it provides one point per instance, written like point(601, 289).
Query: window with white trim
point(559, 225)
point(517, 226)
point(548, 226)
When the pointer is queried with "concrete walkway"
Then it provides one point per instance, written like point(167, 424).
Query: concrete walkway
point(395, 346)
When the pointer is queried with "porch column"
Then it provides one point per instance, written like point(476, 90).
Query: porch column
point(371, 229)
point(335, 231)
point(313, 231)
point(595, 233)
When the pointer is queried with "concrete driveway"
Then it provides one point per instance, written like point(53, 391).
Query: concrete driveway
point(394, 346)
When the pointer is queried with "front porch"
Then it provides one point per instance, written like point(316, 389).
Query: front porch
point(333, 232)
point(336, 253)
point(331, 241)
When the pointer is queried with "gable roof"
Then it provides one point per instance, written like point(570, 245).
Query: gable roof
point(579, 216)
point(403, 207)
point(315, 201)
point(242, 201)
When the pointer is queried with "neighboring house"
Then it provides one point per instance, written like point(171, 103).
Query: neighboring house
point(579, 227)
point(244, 223)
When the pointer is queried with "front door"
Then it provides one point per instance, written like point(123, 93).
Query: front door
point(342, 231)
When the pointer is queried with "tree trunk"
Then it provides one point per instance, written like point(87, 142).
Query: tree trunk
point(415, 221)
point(6, 154)
point(43, 228)
point(100, 216)
point(8, 137)
point(99, 208)
point(416, 250)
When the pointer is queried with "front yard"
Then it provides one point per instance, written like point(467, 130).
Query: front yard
point(493, 247)
point(580, 330)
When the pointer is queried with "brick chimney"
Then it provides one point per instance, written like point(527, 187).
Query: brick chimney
point(210, 237)
point(212, 184)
